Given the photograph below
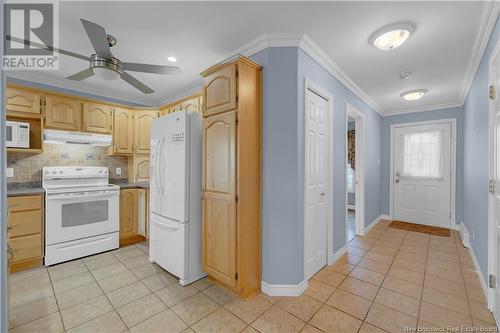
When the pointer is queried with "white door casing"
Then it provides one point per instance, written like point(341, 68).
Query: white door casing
point(360, 167)
point(494, 186)
point(317, 182)
point(422, 174)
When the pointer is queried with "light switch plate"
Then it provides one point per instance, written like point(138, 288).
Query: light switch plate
point(10, 172)
point(118, 171)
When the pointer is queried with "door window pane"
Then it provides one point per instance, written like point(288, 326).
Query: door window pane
point(80, 213)
point(422, 154)
point(350, 179)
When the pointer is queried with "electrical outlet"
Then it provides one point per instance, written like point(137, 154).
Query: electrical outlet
point(118, 171)
point(10, 172)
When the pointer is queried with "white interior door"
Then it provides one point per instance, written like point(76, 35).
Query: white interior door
point(496, 181)
point(422, 177)
point(317, 167)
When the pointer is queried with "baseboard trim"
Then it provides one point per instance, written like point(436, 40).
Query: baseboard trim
point(484, 286)
point(284, 289)
point(340, 252)
point(373, 223)
point(464, 234)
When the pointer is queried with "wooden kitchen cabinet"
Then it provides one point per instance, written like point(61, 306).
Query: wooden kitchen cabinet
point(25, 232)
point(96, 118)
point(63, 113)
point(24, 101)
point(231, 243)
point(219, 89)
point(131, 211)
point(123, 131)
point(142, 125)
point(139, 168)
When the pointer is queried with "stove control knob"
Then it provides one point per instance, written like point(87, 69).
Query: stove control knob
point(54, 172)
point(60, 171)
point(100, 171)
point(46, 172)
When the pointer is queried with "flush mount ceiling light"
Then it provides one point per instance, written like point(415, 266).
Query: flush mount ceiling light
point(172, 59)
point(413, 95)
point(391, 36)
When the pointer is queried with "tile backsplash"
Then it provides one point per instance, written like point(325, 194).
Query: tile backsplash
point(28, 167)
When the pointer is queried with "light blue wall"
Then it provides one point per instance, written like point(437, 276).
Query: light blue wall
point(476, 157)
point(456, 113)
point(282, 216)
point(283, 160)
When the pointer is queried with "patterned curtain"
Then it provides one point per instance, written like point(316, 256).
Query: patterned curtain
point(351, 149)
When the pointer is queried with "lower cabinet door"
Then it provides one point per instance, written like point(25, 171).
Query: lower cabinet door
point(26, 247)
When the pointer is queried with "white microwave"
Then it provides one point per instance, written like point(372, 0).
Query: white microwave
point(18, 134)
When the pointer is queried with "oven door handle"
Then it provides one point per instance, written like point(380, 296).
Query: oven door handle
point(84, 195)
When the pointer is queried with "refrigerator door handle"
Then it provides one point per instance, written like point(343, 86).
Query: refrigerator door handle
point(166, 225)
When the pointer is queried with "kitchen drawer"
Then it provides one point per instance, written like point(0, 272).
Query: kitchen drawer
point(25, 203)
point(26, 247)
point(25, 223)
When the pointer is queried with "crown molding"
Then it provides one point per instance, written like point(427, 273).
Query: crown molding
point(426, 108)
point(305, 43)
point(76, 87)
point(489, 16)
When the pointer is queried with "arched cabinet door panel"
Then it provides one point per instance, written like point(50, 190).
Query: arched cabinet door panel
point(63, 113)
point(219, 204)
point(220, 91)
point(123, 131)
point(142, 122)
point(24, 101)
point(96, 118)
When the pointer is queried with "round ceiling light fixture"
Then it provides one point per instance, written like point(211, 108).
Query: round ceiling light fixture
point(172, 59)
point(391, 36)
point(413, 95)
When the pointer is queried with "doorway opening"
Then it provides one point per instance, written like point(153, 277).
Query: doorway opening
point(351, 178)
point(354, 173)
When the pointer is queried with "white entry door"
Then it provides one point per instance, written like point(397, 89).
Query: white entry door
point(422, 177)
point(317, 166)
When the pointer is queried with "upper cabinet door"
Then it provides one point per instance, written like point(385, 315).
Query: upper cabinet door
point(141, 168)
point(23, 101)
point(63, 113)
point(96, 118)
point(191, 105)
point(220, 90)
point(123, 131)
point(143, 130)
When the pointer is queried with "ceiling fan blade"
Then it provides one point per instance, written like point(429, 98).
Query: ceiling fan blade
point(47, 47)
point(136, 83)
point(147, 68)
point(86, 73)
point(98, 38)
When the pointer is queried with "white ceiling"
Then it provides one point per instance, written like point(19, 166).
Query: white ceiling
point(440, 52)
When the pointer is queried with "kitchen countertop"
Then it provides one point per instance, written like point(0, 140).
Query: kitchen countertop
point(124, 184)
point(24, 189)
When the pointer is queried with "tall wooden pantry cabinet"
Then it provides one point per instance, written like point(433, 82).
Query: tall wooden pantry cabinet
point(232, 175)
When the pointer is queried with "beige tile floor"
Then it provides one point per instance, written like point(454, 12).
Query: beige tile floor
point(388, 280)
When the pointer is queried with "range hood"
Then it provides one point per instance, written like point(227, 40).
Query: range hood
point(77, 138)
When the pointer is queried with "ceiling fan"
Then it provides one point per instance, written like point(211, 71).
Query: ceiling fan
point(103, 63)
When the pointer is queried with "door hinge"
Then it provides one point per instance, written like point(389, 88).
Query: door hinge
point(493, 92)
point(237, 99)
point(236, 199)
point(492, 186)
point(492, 281)
point(237, 73)
point(236, 276)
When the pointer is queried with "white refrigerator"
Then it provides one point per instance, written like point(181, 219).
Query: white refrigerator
point(175, 195)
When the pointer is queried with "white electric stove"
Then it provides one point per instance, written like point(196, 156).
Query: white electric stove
point(81, 212)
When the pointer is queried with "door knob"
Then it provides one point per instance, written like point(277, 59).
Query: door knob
point(397, 180)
